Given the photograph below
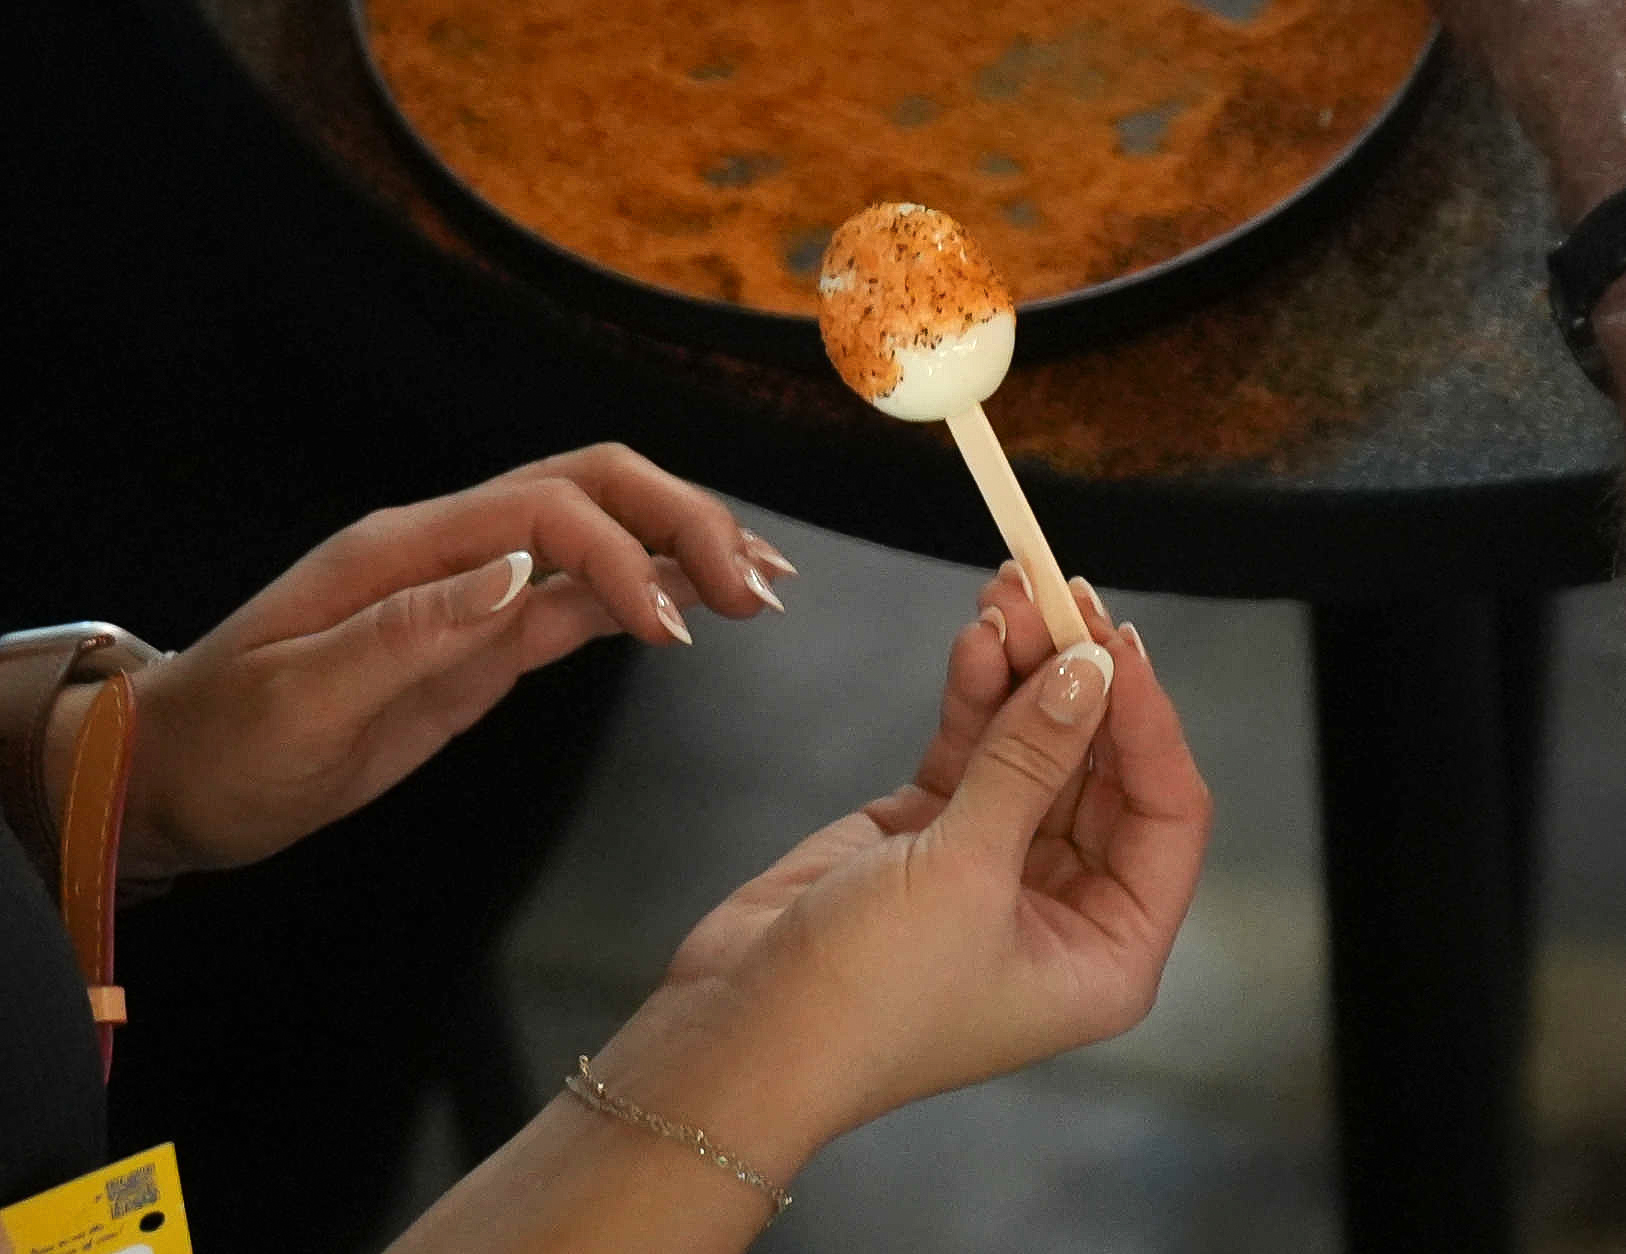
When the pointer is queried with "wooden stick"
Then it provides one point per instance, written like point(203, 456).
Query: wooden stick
point(1014, 517)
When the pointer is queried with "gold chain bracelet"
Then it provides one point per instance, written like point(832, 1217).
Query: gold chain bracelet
point(591, 1090)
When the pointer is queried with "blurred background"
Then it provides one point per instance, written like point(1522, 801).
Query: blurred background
point(220, 363)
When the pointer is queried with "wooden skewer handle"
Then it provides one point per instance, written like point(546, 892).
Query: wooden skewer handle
point(1014, 517)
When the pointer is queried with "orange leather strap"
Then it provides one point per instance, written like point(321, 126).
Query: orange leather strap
point(30, 678)
point(91, 814)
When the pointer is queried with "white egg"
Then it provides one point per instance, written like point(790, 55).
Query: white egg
point(949, 378)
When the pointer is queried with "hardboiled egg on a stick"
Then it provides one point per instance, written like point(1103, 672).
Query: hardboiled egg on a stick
point(917, 322)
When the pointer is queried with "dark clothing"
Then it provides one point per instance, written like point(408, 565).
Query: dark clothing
point(53, 1105)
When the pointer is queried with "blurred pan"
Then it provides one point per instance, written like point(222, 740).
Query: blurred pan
point(1096, 313)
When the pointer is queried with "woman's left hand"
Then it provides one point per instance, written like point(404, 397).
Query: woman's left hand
point(400, 631)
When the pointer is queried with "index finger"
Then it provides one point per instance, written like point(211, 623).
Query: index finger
point(1151, 760)
point(421, 543)
point(668, 514)
point(1154, 848)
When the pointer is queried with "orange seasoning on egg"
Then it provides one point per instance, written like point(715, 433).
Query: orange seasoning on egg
point(900, 276)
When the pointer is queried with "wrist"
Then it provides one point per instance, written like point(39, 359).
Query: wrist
point(148, 850)
point(581, 1179)
point(706, 1054)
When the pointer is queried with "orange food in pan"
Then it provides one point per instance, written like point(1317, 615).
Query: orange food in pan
point(711, 147)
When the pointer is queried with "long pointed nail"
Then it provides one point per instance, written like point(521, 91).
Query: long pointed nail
point(1080, 584)
point(1067, 691)
point(995, 618)
point(667, 611)
point(1012, 569)
point(481, 592)
point(1131, 633)
point(758, 585)
point(767, 553)
point(519, 573)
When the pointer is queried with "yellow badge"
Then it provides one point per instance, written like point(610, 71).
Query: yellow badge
point(128, 1207)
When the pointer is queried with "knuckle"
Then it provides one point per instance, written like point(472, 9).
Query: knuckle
point(616, 582)
point(1204, 804)
point(615, 458)
point(557, 486)
point(1134, 1008)
point(1035, 762)
point(405, 620)
point(1131, 1002)
point(367, 533)
point(596, 567)
point(273, 696)
point(714, 515)
point(1140, 997)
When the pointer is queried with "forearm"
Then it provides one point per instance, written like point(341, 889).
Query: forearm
point(581, 1180)
point(1561, 64)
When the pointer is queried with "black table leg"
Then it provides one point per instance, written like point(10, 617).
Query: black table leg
point(1428, 720)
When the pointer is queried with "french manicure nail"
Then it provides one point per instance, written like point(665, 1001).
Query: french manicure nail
point(519, 574)
point(1131, 633)
point(765, 552)
point(1080, 584)
point(1014, 567)
point(1063, 693)
point(758, 585)
point(995, 619)
point(667, 611)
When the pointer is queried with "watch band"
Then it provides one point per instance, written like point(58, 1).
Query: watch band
point(1580, 271)
point(32, 671)
point(76, 851)
point(91, 815)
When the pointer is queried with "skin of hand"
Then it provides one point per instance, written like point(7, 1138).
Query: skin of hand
point(1561, 64)
point(383, 643)
point(1019, 898)
point(1005, 906)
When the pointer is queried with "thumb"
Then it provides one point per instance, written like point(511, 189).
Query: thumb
point(417, 632)
point(1029, 752)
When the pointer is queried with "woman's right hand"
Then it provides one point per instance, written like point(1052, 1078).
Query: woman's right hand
point(1018, 899)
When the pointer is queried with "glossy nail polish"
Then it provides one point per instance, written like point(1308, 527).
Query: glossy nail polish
point(1131, 633)
point(1065, 693)
point(1012, 569)
point(758, 585)
point(519, 574)
point(767, 553)
point(1080, 584)
point(667, 611)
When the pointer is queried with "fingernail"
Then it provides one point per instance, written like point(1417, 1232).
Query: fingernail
point(994, 618)
point(765, 552)
point(667, 611)
point(1013, 569)
point(1131, 633)
point(1067, 694)
point(758, 585)
point(1080, 584)
point(519, 573)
